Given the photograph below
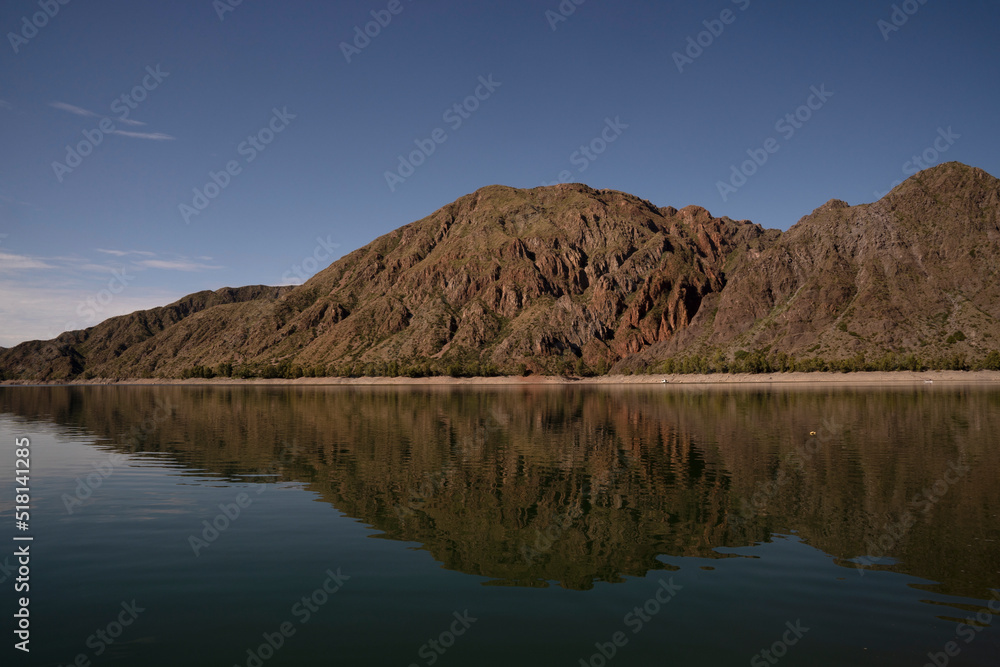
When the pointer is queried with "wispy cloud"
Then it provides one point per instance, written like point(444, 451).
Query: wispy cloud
point(9, 262)
point(4, 104)
point(137, 259)
point(74, 110)
point(125, 253)
point(40, 297)
point(11, 200)
point(155, 136)
point(86, 113)
point(175, 265)
point(95, 268)
point(43, 311)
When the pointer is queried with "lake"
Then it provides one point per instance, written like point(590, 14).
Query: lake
point(640, 525)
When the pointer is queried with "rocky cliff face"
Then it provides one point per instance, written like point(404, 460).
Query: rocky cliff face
point(916, 272)
point(499, 278)
point(507, 275)
point(566, 276)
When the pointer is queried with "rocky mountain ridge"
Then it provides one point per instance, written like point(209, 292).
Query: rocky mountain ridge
point(570, 279)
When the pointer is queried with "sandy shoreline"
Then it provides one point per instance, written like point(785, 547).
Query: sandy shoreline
point(877, 378)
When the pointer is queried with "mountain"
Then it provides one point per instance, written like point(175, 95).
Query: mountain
point(567, 278)
point(917, 272)
point(499, 278)
point(69, 354)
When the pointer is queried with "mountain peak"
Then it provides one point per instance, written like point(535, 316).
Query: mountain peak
point(832, 205)
point(946, 180)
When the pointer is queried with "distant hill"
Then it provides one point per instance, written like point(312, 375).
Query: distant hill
point(77, 353)
point(570, 279)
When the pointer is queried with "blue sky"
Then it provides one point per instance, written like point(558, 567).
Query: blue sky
point(300, 130)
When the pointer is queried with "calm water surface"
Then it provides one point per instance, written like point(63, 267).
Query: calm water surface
point(511, 526)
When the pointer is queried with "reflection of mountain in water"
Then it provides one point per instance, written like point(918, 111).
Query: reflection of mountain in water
point(530, 485)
